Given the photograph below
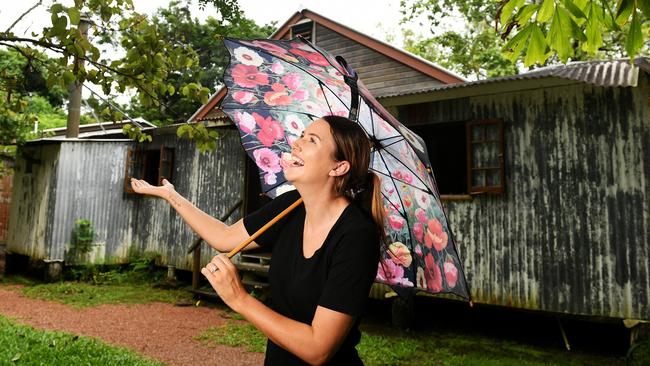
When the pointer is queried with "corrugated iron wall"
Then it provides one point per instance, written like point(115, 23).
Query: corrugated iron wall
point(32, 198)
point(84, 180)
point(214, 182)
point(572, 232)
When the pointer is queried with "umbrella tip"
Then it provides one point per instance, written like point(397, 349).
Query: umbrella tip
point(374, 143)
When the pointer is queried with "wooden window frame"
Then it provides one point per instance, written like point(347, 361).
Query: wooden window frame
point(499, 189)
point(136, 158)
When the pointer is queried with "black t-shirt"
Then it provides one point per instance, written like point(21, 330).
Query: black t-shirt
point(337, 276)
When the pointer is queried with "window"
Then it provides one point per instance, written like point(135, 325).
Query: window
point(466, 155)
point(447, 154)
point(303, 29)
point(150, 165)
point(485, 171)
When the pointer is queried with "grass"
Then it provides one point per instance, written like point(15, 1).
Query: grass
point(234, 334)
point(111, 287)
point(388, 346)
point(23, 345)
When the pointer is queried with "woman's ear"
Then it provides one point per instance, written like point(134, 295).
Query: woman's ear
point(341, 168)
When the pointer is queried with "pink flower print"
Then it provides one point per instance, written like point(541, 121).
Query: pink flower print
point(312, 108)
point(244, 97)
point(269, 47)
point(277, 68)
point(300, 95)
point(418, 250)
point(435, 236)
point(407, 202)
point(270, 179)
point(391, 273)
point(397, 174)
point(396, 222)
point(245, 122)
point(451, 273)
point(270, 130)
point(421, 215)
point(317, 59)
point(291, 139)
point(432, 274)
point(400, 254)
point(267, 160)
point(292, 80)
point(278, 96)
point(294, 124)
point(334, 73)
point(249, 76)
point(418, 230)
point(408, 178)
point(388, 188)
point(394, 206)
point(422, 198)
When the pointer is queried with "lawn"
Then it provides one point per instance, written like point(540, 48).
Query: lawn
point(383, 345)
point(380, 344)
point(23, 345)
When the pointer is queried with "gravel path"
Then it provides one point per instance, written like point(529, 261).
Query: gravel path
point(160, 331)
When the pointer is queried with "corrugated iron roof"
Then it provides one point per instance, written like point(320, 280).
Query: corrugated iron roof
point(611, 73)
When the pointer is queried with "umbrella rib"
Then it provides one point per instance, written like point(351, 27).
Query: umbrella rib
point(409, 169)
point(401, 181)
point(320, 85)
point(287, 62)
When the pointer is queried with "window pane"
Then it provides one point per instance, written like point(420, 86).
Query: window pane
point(478, 133)
point(492, 132)
point(478, 178)
point(493, 178)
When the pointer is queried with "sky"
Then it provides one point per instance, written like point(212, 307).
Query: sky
point(372, 17)
point(376, 18)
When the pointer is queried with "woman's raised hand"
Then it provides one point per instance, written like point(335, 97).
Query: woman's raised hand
point(143, 187)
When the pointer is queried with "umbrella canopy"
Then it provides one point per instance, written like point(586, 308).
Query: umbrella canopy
point(278, 87)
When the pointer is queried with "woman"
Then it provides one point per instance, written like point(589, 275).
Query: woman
point(325, 252)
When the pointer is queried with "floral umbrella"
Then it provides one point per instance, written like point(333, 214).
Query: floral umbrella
point(278, 87)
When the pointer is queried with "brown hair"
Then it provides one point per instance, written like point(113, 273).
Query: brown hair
point(359, 185)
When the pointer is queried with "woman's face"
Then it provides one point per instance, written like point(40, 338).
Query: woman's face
point(312, 155)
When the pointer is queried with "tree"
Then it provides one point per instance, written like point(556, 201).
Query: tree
point(472, 50)
point(567, 27)
point(578, 29)
point(145, 65)
point(176, 25)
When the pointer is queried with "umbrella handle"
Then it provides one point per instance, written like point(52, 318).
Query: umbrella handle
point(264, 228)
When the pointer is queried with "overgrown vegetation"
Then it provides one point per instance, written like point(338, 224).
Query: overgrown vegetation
point(23, 345)
point(137, 282)
point(82, 239)
point(388, 346)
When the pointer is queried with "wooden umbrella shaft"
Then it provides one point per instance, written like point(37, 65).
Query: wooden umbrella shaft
point(264, 228)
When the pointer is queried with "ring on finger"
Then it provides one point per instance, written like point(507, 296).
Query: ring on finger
point(214, 268)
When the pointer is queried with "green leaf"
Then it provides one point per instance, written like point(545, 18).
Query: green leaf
point(508, 8)
point(513, 48)
point(56, 8)
point(537, 49)
point(644, 6)
point(575, 11)
point(593, 32)
point(68, 77)
point(171, 90)
point(546, 11)
point(525, 13)
point(559, 34)
point(624, 9)
point(635, 37)
point(74, 15)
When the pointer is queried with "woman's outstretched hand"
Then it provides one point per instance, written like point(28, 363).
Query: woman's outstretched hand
point(143, 187)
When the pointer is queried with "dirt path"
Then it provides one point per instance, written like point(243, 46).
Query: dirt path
point(160, 331)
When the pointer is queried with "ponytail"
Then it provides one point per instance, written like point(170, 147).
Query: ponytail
point(370, 200)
